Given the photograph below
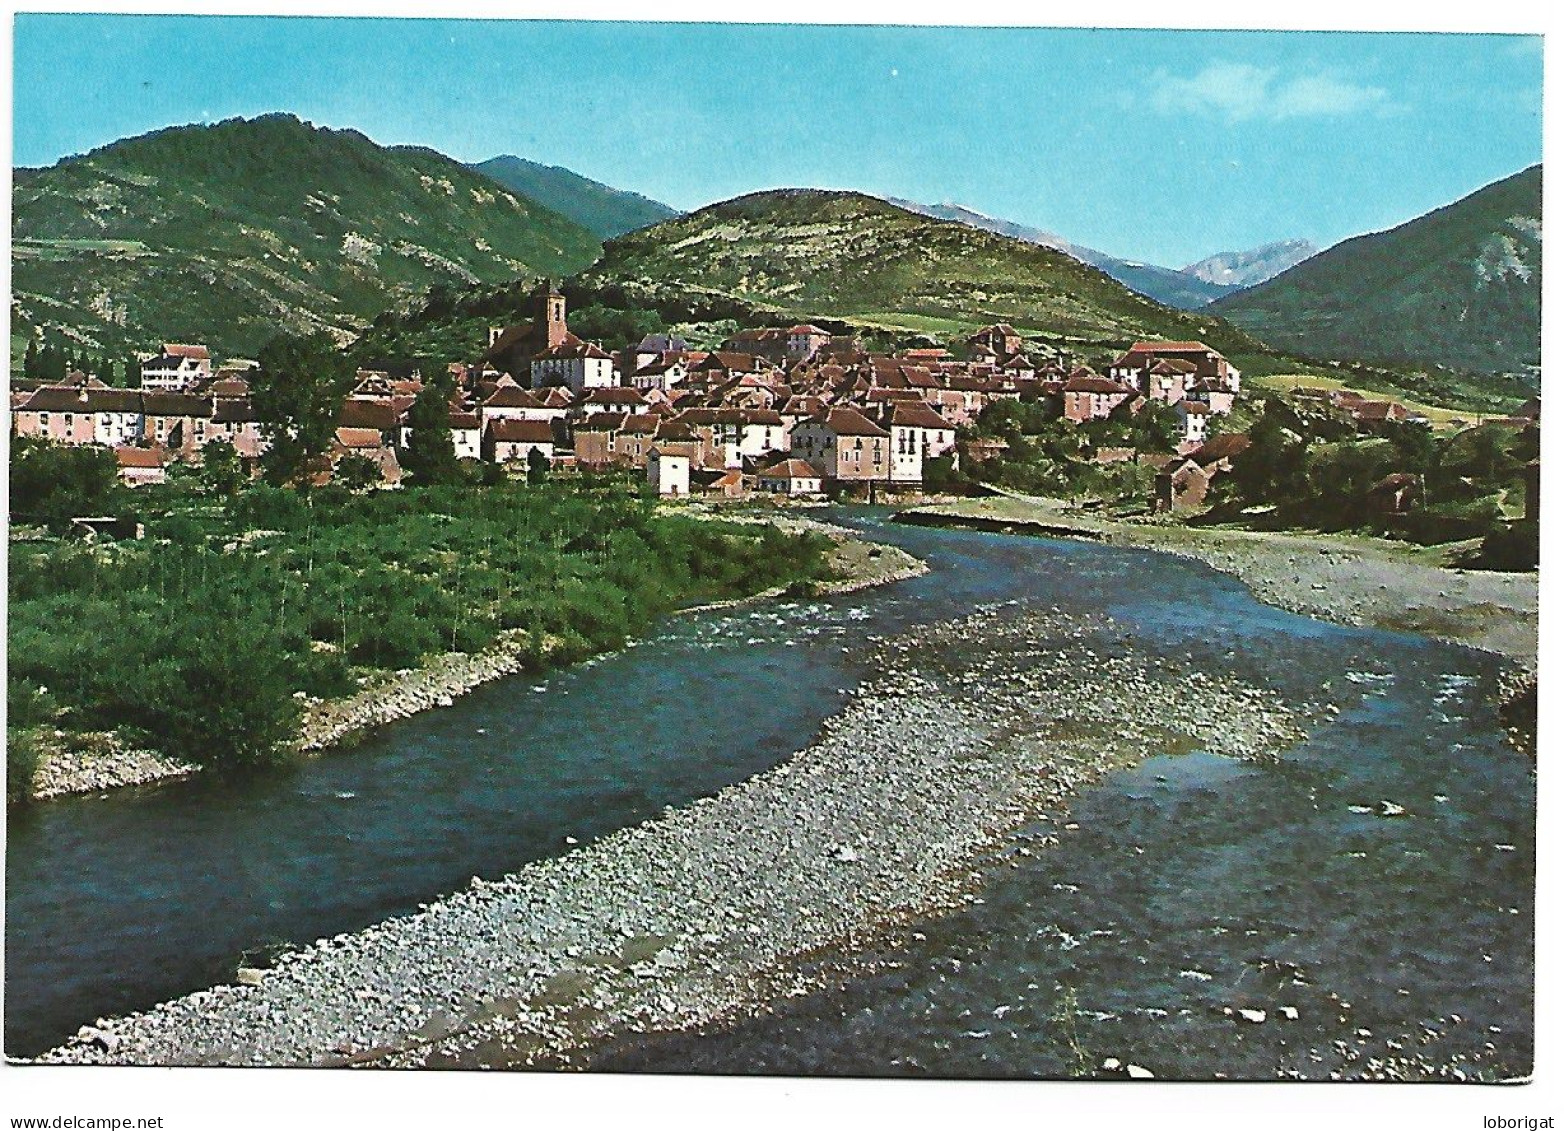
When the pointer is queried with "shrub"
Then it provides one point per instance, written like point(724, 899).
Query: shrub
point(219, 702)
point(51, 483)
point(22, 755)
point(1512, 547)
point(210, 644)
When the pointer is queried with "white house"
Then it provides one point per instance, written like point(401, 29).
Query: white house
point(611, 400)
point(514, 441)
point(917, 433)
point(467, 435)
point(790, 477)
point(1194, 420)
point(660, 372)
point(575, 364)
point(668, 472)
point(176, 368)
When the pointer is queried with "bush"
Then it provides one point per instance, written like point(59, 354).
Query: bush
point(214, 633)
point(216, 701)
point(51, 483)
point(1513, 548)
point(22, 755)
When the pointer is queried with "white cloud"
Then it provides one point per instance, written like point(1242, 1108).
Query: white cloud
point(1242, 92)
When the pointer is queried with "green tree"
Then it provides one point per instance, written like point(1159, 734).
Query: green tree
point(22, 756)
point(51, 483)
point(1154, 428)
point(537, 466)
point(51, 362)
point(221, 471)
point(298, 393)
point(1271, 469)
point(218, 699)
point(431, 455)
point(356, 472)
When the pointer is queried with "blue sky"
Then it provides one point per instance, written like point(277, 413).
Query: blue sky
point(1164, 145)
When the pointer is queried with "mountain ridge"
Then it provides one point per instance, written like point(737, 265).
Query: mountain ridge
point(1162, 284)
point(1235, 270)
point(1459, 286)
point(230, 232)
point(854, 257)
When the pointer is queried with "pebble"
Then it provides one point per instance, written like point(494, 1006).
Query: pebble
point(757, 867)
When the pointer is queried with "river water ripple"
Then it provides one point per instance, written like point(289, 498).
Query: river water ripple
point(1190, 889)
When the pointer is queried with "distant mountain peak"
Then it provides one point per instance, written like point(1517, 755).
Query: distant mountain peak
point(1252, 267)
point(604, 211)
point(1162, 284)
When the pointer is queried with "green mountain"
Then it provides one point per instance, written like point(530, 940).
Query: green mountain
point(605, 212)
point(1460, 287)
point(811, 254)
point(228, 233)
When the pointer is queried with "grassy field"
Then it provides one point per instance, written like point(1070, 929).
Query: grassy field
point(1442, 419)
point(932, 325)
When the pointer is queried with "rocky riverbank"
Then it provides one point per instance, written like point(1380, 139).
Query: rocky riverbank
point(966, 731)
point(105, 763)
point(97, 763)
point(1344, 579)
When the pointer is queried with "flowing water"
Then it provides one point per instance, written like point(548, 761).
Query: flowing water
point(1189, 886)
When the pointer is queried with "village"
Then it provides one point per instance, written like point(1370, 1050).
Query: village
point(796, 411)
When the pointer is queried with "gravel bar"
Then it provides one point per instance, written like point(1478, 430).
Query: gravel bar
point(964, 732)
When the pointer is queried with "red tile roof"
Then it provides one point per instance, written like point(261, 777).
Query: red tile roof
point(358, 437)
point(139, 457)
point(1082, 381)
point(512, 396)
point(851, 422)
point(367, 414)
point(1220, 448)
point(789, 469)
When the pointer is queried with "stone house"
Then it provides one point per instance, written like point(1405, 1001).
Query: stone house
point(574, 365)
point(1194, 421)
point(1133, 366)
point(790, 477)
point(917, 433)
point(1090, 397)
point(139, 467)
point(844, 445)
point(466, 434)
point(176, 368)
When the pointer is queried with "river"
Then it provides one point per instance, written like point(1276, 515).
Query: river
point(1189, 886)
